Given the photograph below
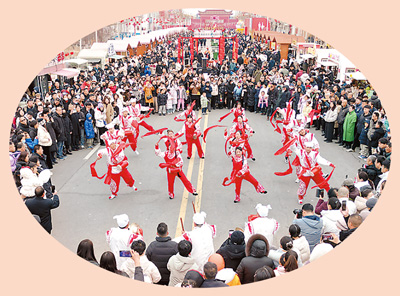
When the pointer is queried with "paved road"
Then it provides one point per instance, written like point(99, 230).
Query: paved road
point(86, 212)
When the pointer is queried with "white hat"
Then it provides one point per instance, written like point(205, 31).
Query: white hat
point(299, 117)
point(263, 210)
point(124, 109)
point(112, 141)
point(199, 218)
point(309, 144)
point(122, 220)
point(110, 125)
point(133, 100)
point(320, 250)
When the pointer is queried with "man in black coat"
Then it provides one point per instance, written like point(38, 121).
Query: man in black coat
point(234, 250)
point(210, 272)
point(60, 131)
point(42, 207)
point(160, 250)
point(340, 120)
point(273, 95)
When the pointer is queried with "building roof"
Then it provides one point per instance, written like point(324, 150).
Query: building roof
point(281, 38)
point(215, 11)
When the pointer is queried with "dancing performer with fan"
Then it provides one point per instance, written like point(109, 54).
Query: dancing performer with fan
point(129, 125)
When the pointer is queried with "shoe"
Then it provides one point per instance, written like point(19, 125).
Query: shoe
point(112, 196)
point(341, 144)
point(171, 196)
point(264, 192)
point(82, 147)
point(134, 188)
point(300, 201)
point(159, 114)
point(202, 157)
point(362, 157)
point(286, 160)
point(325, 176)
point(237, 199)
point(297, 180)
point(322, 135)
point(350, 150)
point(195, 193)
point(69, 153)
point(188, 157)
point(253, 159)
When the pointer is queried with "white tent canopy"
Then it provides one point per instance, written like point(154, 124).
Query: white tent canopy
point(76, 61)
point(356, 76)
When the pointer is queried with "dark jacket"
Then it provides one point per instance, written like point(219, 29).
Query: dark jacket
point(213, 284)
point(285, 97)
point(372, 172)
point(378, 134)
point(361, 120)
point(159, 252)
point(32, 132)
point(342, 114)
point(162, 99)
point(59, 128)
point(41, 207)
point(345, 233)
point(273, 96)
point(232, 254)
point(257, 250)
point(311, 228)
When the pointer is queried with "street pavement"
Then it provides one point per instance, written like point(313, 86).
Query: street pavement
point(86, 212)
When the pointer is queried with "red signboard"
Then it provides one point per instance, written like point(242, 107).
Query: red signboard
point(260, 24)
point(221, 49)
point(191, 49)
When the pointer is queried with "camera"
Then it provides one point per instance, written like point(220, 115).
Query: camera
point(298, 213)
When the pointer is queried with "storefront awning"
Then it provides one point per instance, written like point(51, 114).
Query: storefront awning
point(67, 72)
point(116, 56)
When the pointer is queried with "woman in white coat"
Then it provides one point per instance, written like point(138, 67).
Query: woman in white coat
point(332, 216)
point(330, 118)
point(100, 116)
point(30, 179)
point(45, 141)
point(300, 242)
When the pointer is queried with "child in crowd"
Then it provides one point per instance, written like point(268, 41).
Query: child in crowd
point(204, 102)
point(89, 130)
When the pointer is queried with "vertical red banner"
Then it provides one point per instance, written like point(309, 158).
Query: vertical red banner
point(235, 48)
point(191, 49)
point(221, 49)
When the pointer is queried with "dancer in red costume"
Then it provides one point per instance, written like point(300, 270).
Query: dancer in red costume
point(193, 133)
point(117, 167)
point(310, 162)
point(237, 111)
point(241, 172)
point(135, 110)
point(173, 164)
point(189, 111)
point(129, 126)
point(112, 134)
point(236, 141)
point(243, 127)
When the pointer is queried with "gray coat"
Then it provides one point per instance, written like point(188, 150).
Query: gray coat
point(311, 229)
point(342, 114)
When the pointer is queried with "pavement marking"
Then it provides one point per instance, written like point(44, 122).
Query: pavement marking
point(92, 152)
point(197, 201)
point(185, 196)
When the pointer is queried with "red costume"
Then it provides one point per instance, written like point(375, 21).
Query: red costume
point(130, 128)
point(310, 169)
point(117, 135)
point(239, 173)
point(117, 168)
point(236, 113)
point(243, 127)
point(135, 111)
point(173, 164)
point(192, 133)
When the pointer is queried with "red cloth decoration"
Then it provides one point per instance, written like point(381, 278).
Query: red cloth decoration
point(155, 132)
point(285, 147)
point(225, 116)
point(207, 130)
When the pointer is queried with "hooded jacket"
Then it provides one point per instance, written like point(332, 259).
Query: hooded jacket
point(257, 250)
point(232, 254)
point(311, 228)
point(179, 266)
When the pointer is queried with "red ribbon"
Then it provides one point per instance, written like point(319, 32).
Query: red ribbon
point(285, 147)
point(225, 116)
point(326, 180)
point(207, 130)
point(155, 132)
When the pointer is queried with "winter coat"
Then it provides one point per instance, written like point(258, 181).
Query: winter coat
point(42, 207)
point(232, 254)
point(273, 96)
point(100, 117)
point(372, 172)
point(213, 284)
point(349, 126)
point(89, 129)
point(342, 114)
point(44, 136)
point(67, 125)
point(285, 97)
point(178, 267)
point(32, 132)
point(331, 116)
point(251, 96)
point(159, 252)
point(378, 134)
point(257, 250)
point(30, 181)
point(311, 228)
point(59, 128)
point(162, 99)
point(302, 245)
point(329, 218)
point(363, 136)
point(361, 120)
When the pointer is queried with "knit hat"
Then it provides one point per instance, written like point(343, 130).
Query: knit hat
point(199, 218)
point(122, 220)
point(348, 182)
point(237, 237)
point(263, 210)
point(371, 202)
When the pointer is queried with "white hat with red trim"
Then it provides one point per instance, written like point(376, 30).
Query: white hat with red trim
point(122, 220)
point(263, 210)
point(110, 125)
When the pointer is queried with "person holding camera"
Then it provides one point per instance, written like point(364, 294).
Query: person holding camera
point(310, 224)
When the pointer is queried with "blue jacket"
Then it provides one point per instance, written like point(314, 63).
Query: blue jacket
point(89, 129)
point(363, 136)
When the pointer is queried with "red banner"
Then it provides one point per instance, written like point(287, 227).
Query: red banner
point(191, 49)
point(221, 49)
point(235, 48)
